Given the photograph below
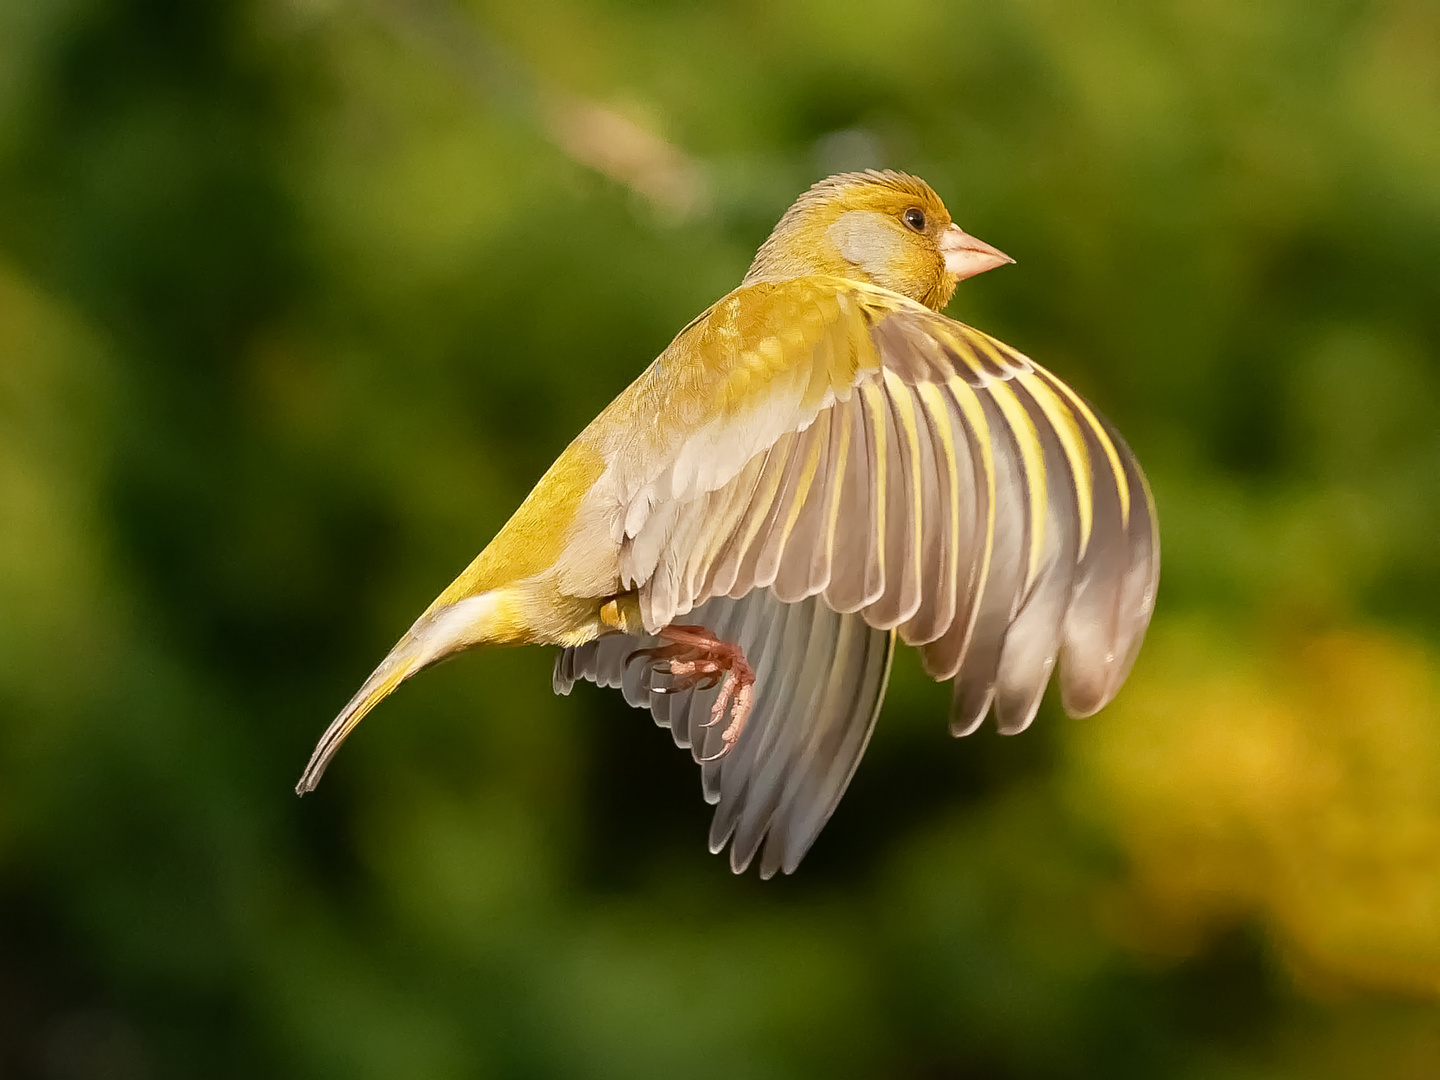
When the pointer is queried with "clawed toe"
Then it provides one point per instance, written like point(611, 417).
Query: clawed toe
point(660, 654)
point(697, 660)
point(735, 699)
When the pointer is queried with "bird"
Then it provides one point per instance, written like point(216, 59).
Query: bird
point(819, 464)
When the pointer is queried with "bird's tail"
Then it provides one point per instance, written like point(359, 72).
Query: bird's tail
point(473, 620)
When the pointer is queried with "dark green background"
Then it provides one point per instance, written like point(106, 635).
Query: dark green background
point(298, 297)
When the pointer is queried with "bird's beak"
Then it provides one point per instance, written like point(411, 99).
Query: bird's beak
point(965, 256)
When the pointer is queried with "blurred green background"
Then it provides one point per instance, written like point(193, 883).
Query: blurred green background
point(297, 299)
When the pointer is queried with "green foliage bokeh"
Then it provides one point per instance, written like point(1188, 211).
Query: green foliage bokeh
point(298, 297)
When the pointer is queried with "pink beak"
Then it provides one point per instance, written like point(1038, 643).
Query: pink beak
point(966, 256)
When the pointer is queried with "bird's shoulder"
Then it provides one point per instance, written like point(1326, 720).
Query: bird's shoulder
point(771, 326)
point(810, 336)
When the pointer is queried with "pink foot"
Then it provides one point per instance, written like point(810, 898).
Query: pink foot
point(697, 660)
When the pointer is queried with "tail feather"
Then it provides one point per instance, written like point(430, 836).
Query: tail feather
point(438, 633)
point(398, 666)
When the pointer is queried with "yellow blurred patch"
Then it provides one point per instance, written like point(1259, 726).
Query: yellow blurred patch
point(1293, 780)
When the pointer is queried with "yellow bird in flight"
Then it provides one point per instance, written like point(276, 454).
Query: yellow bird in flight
point(816, 464)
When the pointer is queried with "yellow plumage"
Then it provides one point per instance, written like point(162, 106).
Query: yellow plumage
point(816, 465)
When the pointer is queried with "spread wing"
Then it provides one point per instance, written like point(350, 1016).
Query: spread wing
point(817, 466)
point(819, 679)
point(910, 469)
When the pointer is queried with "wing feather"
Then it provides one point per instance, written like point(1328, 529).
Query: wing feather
point(724, 513)
point(1009, 542)
point(1033, 637)
point(751, 520)
point(794, 494)
point(828, 498)
point(1117, 574)
point(879, 446)
point(904, 509)
point(795, 553)
point(938, 540)
point(852, 520)
point(746, 789)
point(820, 678)
point(880, 470)
point(946, 487)
point(838, 730)
point(975, 540)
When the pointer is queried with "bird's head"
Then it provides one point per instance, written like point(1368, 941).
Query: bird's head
point(885, 228)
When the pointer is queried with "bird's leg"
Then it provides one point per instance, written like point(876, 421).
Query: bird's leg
point(696, 659)
point(697, 672)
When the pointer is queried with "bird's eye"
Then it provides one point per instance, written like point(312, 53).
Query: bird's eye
point(915, 218)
